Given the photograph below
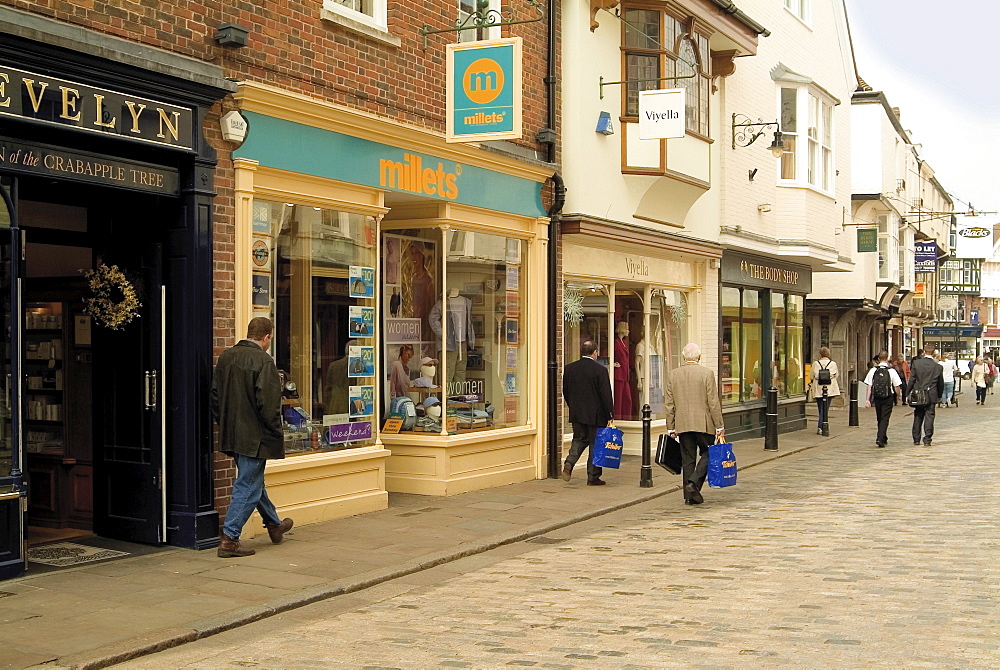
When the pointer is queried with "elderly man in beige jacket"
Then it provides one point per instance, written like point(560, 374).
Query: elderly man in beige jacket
point(693, 411)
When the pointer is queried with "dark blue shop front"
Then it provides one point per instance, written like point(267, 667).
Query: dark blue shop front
point(103, 169)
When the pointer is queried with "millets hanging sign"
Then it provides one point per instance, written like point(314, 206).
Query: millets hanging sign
point(51, 100)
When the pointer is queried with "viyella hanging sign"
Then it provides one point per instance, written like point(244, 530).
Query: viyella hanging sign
point(661, 114)
point(484, 90)
point(974, 237)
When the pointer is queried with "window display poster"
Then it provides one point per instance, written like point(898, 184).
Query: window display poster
point(511, 358)
point(513, 251)
point(361, 322)
point(513, 303)
point(361, 401)
point(513, 277)
point(391, 251)
point(360, 362)
point(511, 385)
point(415, 277)
point(402, 331)
point(510, 403)
point(261, 217)
point(261, 290)
point(510, 331)
point(362, 282)
point(355, 431)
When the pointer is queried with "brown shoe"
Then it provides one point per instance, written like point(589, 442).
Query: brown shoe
point(276, 532)
point(567, 473)
point(596, 482)
point(229, 548)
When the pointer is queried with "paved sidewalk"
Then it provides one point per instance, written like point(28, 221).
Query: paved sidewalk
point(96, 615)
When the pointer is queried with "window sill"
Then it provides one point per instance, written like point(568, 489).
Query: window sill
point(791, 183)
point(358, 27)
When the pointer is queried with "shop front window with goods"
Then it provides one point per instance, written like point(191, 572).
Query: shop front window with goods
point(314, 273)
point(454, 331)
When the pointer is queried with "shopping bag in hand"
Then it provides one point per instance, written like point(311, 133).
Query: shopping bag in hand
point(608, 447)
point(668, 454)
point(721, 465)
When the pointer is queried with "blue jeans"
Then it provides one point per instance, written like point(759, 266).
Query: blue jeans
point(248, 495)
point(949, 393)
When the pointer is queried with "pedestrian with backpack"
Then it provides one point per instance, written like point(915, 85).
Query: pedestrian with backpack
point(926, 388)
point(883, 386)
point(824, 388)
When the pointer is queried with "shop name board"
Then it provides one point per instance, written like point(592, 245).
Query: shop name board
point(636, 267)
point(411, 175)
point(769, 273)
point(51, 100)
point(484, 90)
point(953, 331)
point(747, 270)
point(40, 159)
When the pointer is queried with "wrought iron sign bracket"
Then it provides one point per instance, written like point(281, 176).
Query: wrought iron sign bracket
point(749, 132)
point(484, 17)
point(636, 81)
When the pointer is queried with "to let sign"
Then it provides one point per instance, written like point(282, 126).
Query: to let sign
point(867, 240)
point(661, 114)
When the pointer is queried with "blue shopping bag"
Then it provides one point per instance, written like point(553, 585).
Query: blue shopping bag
point(608, 447)
point(721, 465)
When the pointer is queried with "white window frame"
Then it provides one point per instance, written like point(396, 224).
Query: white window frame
point(814, 138)
point(800, 9)
point(377, 21)
point(471, 35)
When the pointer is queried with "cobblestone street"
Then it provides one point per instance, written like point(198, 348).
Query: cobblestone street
point(836, 557)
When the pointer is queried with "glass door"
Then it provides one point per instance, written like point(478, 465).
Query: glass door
point(12, 489)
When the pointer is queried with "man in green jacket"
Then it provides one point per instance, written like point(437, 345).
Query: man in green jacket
point(246, 403)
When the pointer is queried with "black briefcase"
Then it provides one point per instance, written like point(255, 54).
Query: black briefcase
point(668, 454)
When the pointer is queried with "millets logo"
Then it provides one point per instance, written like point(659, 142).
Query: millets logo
point(412, 176)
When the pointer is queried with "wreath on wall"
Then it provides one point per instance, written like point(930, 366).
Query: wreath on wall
point(113, 302)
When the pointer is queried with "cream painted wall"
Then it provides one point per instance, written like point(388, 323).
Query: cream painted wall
point(821, 52)
point(592, 161)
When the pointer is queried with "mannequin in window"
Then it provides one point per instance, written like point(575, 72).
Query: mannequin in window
point(461, 335)
point(335, 388)
point(623, 392)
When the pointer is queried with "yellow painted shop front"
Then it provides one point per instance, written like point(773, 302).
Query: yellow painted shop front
point(398, 270)
point(640, 296)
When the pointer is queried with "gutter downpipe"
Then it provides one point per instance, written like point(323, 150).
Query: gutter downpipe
point(554, 213)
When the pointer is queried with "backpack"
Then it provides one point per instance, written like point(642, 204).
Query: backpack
point(881, 383)
point(823, 377)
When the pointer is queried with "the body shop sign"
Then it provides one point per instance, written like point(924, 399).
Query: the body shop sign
point(661, 114)
point(484, 90)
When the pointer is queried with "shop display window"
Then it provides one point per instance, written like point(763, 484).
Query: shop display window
point(795, 324)
point(314, 272)
point(753, 345)
point(6, 440)
point(668, 327)
point(731, 356)
point(454, 331)
point(586, 316)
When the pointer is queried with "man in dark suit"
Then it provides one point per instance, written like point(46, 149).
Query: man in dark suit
point(926, 373)
point(587, 391)
point(692, 409)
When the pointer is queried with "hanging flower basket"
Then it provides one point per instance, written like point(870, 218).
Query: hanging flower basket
point(113, 302)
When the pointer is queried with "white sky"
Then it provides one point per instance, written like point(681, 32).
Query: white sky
point(937, 63)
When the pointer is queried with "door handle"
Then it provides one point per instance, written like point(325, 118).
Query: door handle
point(145, 391)
point(152, 393)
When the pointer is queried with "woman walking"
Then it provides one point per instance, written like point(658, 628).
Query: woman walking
point(824, 374)
point(902, 368)
point(979, 372)
point(948, 371)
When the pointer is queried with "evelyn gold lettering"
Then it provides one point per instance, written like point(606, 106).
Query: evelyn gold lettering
point(69, 104)
point(100, 114)
point(135, 114)
point(36, 100)
point(172, 127)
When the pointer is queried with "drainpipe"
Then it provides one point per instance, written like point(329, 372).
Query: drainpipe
point(548, 136)
point(555, 317)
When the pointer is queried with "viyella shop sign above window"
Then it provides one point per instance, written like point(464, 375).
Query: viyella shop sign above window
point(484, 90)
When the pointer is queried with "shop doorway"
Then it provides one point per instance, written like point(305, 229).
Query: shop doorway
point(93, 429)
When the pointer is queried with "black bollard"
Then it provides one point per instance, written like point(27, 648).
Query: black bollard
point(852, 413)
point(646, 471)
point(771, 420)
point(826, 412)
